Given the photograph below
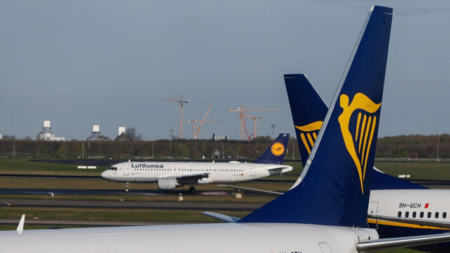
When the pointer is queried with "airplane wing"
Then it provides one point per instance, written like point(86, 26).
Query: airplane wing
point(401, 242)
point(190, 177)
point(222, 217)
point(421, 222)
point(252, 190)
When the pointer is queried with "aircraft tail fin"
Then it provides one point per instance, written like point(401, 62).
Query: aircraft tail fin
point(275, 153)
point(308, 111)
point(336, 182)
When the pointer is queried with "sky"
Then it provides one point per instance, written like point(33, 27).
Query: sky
point(112, 63)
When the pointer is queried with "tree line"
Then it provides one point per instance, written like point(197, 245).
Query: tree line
point(401, 146)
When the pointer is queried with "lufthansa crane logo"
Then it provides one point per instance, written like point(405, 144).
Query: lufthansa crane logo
point(359, 143)
point(277, 149)
point(309, 134)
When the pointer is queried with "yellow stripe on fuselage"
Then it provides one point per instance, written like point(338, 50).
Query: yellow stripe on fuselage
point(406, 225)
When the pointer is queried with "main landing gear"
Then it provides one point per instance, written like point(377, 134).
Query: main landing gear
point(192, 189)
point(127, 186)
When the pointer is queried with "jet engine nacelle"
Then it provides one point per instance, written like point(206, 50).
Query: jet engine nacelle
point(167, 183)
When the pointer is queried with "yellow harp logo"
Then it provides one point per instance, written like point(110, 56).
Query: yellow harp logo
point(309, 134)
point(277, 149)
point(358, 144)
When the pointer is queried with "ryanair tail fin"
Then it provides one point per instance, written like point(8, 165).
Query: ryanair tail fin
point(336, 182)
point(308, 112)
point(275, 153)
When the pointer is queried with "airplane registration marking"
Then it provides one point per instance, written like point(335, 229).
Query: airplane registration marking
point(411, 205)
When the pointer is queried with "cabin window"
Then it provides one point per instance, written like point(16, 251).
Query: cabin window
point(414, 215)
point(444, 215)
point(436, 215)
point(429, 214)
point(406, 214)
point(399, 214)
point(421, 214)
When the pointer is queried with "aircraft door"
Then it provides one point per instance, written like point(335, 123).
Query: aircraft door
point(252, 173)
point(373, 210)
point(325, 247)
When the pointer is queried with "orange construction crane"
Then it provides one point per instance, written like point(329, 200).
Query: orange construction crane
point(242, 111)
point(255, 121)
point(198, 128)
point(181, 101)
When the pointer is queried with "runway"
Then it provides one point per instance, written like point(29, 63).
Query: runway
point(130, 204)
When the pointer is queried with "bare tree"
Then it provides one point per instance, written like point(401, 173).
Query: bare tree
point(133, 135)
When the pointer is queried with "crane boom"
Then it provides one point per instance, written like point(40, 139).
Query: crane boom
point(242, 116)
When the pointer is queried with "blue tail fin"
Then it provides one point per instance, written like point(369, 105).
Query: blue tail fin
point(336, 185)
point(275, 153)
point(308, 111)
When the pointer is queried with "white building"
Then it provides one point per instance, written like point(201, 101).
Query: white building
point(47, 135)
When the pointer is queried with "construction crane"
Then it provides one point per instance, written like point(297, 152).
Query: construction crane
point(242, 111)
point(181, 102)
point(255, 121)
point(198, 128)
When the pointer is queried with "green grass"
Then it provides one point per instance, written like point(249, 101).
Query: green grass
point(24, 166)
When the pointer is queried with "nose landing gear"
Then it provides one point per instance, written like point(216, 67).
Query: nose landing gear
point(127, 186)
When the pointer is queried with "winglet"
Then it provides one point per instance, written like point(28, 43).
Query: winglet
point(21, 225)
point(222, 217)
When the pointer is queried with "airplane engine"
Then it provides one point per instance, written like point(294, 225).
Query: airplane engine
point(167, 183)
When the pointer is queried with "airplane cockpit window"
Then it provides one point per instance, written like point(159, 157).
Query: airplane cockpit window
point(113, 168)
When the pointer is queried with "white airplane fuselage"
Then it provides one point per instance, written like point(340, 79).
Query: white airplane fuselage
point(430, 205)
point(151, 172)
point(231, 237)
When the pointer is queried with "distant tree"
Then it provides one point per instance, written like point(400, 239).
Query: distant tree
point(9, 137)
point(62, 151)
point(27, 138)
point(133, 135)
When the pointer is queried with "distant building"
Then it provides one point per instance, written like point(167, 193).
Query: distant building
point(219, 138)
point(47, 134)
point(96, 136)
point(122, 135)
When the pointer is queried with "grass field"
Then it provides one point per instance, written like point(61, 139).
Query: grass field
point(439, 171)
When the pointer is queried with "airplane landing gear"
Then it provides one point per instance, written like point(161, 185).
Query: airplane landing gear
point(192, 189)
point(127, 186)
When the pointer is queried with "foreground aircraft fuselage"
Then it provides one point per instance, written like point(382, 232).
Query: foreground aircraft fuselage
point(206, 238)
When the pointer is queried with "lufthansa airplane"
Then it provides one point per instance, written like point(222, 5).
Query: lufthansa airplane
point(169, 175)
point(325, 212)
point(397, 208)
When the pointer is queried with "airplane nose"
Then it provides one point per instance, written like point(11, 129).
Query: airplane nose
point(105, 174)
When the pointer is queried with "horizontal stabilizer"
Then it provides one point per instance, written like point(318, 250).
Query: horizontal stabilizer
point(222, 217)
point(402, 242)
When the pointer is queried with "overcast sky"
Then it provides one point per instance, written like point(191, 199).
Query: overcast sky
point(111, 63)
